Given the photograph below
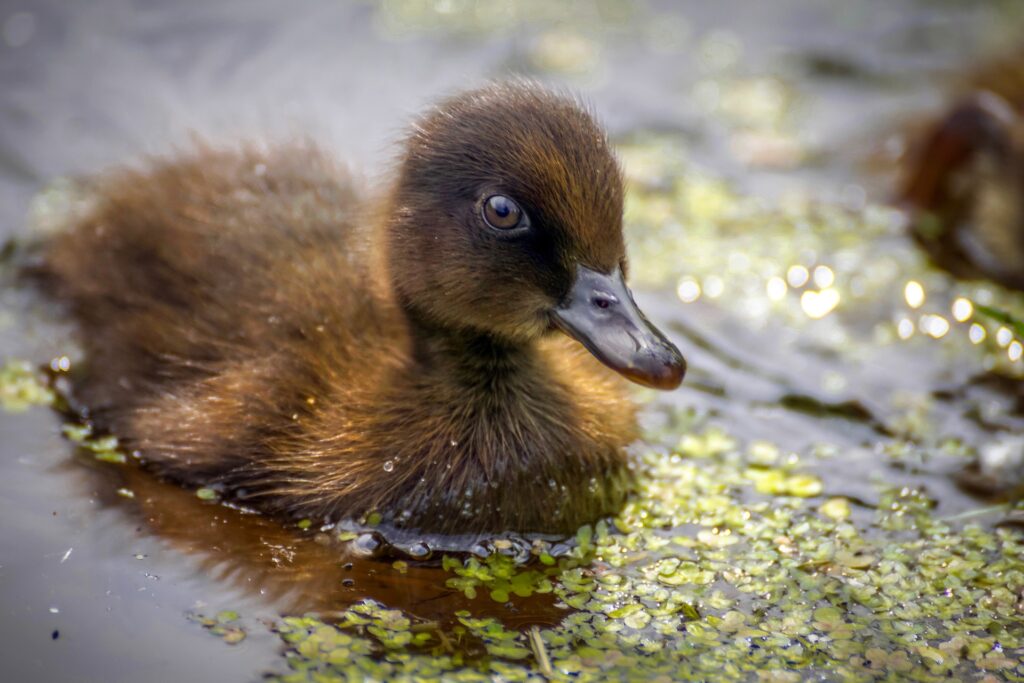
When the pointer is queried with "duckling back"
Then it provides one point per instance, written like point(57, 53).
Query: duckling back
point(208, 259)
point(212, 276)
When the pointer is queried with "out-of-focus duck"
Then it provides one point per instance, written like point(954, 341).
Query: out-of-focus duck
point(965, 182)
point(251, 321)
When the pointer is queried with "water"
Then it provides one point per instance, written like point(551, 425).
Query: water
point(787, 101)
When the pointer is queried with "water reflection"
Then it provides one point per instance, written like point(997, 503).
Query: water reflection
point(290, 570)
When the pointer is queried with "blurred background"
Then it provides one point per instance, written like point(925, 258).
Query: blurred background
point(776, 223)
point(780, 84)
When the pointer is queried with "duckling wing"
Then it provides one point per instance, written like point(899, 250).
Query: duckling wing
point(206, 261)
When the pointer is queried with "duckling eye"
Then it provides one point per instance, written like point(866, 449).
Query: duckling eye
point(502, 213)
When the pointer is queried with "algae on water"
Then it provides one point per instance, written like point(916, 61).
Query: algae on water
point(762, 585)
point(22, 386)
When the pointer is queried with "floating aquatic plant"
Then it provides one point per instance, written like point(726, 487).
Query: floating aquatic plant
point(224, 624)
point(706, 575)
point(104, 448)
point(22, 386)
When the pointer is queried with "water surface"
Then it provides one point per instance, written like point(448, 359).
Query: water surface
point(758, 139)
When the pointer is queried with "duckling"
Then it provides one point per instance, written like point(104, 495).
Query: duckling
point(965, 182)
point(251, 321)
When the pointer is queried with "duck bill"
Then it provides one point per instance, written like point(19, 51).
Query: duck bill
point(600, 314)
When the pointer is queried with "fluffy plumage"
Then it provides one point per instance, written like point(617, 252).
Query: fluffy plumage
point(250, 319)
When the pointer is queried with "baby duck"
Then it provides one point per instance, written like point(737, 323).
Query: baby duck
point(250, 322)
point(965, 179)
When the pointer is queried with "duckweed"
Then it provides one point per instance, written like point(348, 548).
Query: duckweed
point(499, 576)
point(104, 448)
point(224, 624)
point(796, 590)
point(22, 386)
point(207, 494)
point(836, 508)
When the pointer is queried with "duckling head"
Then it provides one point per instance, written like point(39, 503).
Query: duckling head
point(506, 221)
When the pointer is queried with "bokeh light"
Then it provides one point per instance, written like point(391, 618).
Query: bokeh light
point(913, 293)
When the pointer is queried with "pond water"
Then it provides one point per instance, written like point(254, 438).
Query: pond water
point(821, 496)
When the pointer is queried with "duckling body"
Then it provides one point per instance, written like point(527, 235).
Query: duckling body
point(250, 320)
point(965, 181)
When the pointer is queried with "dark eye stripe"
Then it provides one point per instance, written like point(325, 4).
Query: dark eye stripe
point(501, 212)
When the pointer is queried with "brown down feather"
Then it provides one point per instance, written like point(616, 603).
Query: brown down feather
point(250, 319)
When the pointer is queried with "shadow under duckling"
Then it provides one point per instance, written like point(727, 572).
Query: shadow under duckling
point(250, 320)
